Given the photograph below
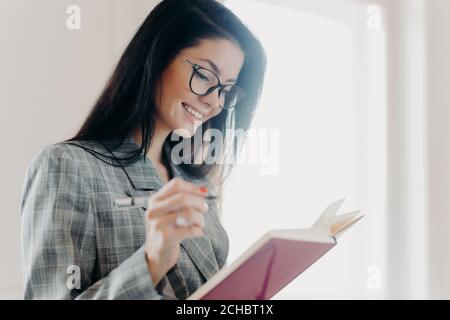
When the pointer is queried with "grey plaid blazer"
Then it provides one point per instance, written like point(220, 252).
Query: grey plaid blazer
point(77, 245)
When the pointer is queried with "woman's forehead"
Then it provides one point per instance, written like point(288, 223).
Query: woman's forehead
point(224, 54)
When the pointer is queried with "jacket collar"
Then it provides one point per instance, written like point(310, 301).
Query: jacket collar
point(144, 177)
point(142, 173)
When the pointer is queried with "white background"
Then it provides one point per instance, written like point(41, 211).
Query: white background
point(362, 114)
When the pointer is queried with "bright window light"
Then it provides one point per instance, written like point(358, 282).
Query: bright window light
point(309, 100)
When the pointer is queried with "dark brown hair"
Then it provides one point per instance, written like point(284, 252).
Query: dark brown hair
point(127, 103)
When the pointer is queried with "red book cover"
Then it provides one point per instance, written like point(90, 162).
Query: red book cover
point(276, 259)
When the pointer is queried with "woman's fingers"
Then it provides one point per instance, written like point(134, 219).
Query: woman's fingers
point(177, 202)
point(178, 185)
point(176, 199)
point(192, 216)
point(188, 232)
point(167, 225)
point(185, 200)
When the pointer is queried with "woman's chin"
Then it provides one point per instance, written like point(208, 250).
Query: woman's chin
point(184, 133)
point(187, 131)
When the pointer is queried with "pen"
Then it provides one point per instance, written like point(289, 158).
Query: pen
point(131, 202)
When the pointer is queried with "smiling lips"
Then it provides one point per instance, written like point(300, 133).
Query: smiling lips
point(197, 114)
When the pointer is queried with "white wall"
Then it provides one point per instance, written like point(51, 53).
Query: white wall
point(406, 148)
point(49, 79)
point(418, 101)
point(438, 141)
point(324, 94)
point(417, 147)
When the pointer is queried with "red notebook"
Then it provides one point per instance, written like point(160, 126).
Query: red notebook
point(276, 259)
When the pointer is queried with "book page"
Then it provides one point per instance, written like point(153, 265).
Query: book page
point(334, 224)
point(343, 222)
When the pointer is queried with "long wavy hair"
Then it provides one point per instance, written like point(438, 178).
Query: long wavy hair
point(127, 103)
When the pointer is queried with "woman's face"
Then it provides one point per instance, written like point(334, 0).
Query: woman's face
point(179, 109)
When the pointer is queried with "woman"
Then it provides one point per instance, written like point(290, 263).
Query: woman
point(191, 67)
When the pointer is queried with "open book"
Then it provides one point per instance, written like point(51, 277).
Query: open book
point(276, 259)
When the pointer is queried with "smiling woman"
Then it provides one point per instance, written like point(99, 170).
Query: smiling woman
point(187, 98)
point(192, 66)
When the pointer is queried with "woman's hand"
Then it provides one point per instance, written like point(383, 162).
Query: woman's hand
point(163, 236)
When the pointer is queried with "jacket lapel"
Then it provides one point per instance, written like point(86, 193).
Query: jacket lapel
point(199, 249)
point(145, 178)
point(142, 173)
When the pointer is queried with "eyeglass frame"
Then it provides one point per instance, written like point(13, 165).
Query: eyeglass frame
point(196, 68)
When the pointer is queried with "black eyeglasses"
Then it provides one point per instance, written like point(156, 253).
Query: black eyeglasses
point(204, 81)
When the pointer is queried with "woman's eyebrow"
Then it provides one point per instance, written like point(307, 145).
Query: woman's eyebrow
point(215, 68)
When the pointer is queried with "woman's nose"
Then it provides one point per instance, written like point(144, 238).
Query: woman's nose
point(212, 100)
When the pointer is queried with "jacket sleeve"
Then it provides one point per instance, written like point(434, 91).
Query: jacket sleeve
point(59, 238)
